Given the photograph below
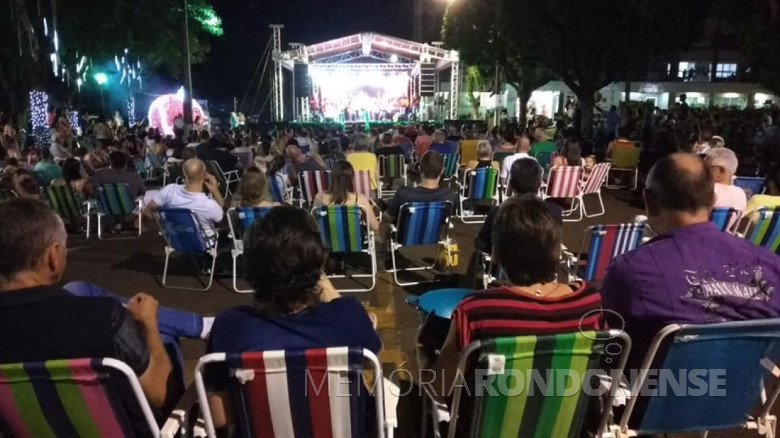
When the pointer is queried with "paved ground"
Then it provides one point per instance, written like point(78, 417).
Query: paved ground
point(129, 266)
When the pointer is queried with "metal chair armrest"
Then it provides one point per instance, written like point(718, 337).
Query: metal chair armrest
point(180, 416)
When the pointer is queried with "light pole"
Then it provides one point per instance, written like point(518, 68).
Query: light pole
point(187, 73)
point(101, 79)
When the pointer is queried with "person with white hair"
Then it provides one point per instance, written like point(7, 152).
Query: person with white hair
point(484, 157)
point(723, 165)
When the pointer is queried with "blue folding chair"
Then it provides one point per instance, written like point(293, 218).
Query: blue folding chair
point(239, 220)
point(752, 185)
point(183, 233)
point(733, 363)
point(115, 200)
point(763, 229)
point(726, 219)
point(344, 230)
point(419, 224)
point(480, 189)
point(603, 243)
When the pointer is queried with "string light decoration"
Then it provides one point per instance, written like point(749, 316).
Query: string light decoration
point(73, 118)
point(131, 110)
point(166, 108)
point(39, 105)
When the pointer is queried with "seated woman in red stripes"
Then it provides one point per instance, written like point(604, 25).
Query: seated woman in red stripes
point(527, 245)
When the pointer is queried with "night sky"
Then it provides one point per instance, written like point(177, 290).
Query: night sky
point(235, 55)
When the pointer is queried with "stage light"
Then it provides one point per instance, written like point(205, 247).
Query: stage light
point(101, 78)
point(393, 58)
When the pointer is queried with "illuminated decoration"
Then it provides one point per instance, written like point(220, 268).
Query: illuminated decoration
point(166, 108)
point(131, 111)
point(39, 104)
point(208, 19)
point(101, 78)
point(73, 118)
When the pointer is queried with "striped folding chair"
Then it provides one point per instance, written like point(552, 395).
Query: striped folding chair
point(344, 230)
point(363, 180)
point(593, 187)
point(501, 156)
point(183, 233)
point(140, 168)
point(468, 151)
point(225, 179)
point(565, 183)
point(539, 403)
point(114, 200)
point(278, 192)
point(418, 224)
point(625, 160)
point(391, 167)
point(310, 183)
point(6, 194)
point(764, 229)
point(316, 392)
point(239, 220)
point(155, 165)
point(480, 189)
point(603, 243)
point(451, 166)
point(75, 397)
point(707, 377)
point(751, 185)
point(726, 219)
point(69, 205)
point(245, 159)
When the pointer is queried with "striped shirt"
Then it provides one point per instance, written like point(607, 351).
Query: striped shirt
point(502, 312)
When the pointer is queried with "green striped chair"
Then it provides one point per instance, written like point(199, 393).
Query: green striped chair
point(69, 205)
point(532, 386)
point(344, 230)
point(391, 167)
point(479, 188)
point(451, 166)
point(6, 194)
point(225, 179)
point(76, 397)
point(764, 229)
point(114, 200)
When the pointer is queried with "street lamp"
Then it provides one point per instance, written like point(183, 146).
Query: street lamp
point(101, 79)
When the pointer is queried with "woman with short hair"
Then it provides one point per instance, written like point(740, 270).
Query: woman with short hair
point(253, 190)
point(294, 306)
point(342, 192)
point(484, 157)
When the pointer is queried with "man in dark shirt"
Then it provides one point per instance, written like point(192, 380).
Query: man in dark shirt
point(214, 150)
point(44, 322)
point(387, 146)
point(525, 180)
point(431, 170)
point(118, 174)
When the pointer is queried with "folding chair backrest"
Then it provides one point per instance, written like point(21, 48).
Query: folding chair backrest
point(115, 200)
point(564, 182)
point(733, 350)
point(608, 242)
point(248, 215)
point(501, 156)
point(341, 228)
point(76, 397)
point(544, 158)
point(392, 166)
point(276, 190)
point(725, 218)
point(765, 229)
point(468, 151)
point(65, 202)
point(421, 223)
point(597, 178)
point(538, 403)
point(181, 230)
point(311, 183)
point(245, 159)
point(755, 186)
point(139, 165)
point(6, 194)
point(213, 168)
point(300, 393)
point(451, 164)
point(330, 164)
point(155, 161)
point(481, 183)
point(625, 158)
point(363, 180)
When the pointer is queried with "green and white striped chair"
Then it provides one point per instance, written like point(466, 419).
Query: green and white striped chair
point(764, 229)
point(344, 230)
point(115, 200)
point(69, 205)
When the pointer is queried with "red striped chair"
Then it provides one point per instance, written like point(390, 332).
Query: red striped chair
point(316, 392)
point(76, 397)
point(593, 187)
point(309, 184)
point(363, 180)
point(565, 183)
point(604, 243)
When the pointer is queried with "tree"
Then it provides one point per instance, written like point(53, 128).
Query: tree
point(589, 43)
point(474, 82)
point(481, 31)
point(759, 31)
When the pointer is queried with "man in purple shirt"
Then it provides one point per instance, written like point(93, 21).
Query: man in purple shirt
point(691, 272)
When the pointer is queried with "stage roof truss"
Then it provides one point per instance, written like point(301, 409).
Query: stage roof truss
point(364, 67)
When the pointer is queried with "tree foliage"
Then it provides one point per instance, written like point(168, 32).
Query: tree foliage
point(759, 31)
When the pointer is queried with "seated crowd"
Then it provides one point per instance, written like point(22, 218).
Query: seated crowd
point(690, 272)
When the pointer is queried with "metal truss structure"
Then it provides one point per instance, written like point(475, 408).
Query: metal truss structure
point(365, 51)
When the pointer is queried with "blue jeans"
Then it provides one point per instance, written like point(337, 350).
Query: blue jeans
point(172, 323)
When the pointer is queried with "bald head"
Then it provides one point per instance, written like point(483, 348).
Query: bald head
point(524, 145)
point(681, 183)
point(194, 170)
